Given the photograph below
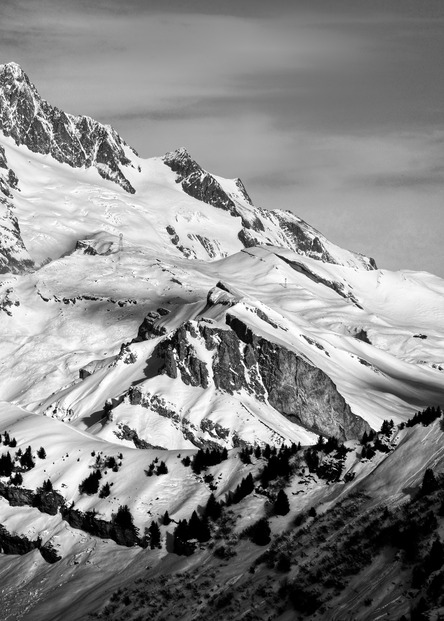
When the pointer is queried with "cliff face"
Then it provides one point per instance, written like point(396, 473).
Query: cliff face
point(74, 140)
point(242, 360)
point(13, 255)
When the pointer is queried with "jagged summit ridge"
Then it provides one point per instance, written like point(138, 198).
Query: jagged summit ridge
point(258, 226)
point(43, 128)
point(82, 142)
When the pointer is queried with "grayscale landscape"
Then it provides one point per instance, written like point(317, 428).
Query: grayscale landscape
point(211, 406)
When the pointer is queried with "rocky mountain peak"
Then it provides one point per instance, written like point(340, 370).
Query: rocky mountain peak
point(12, 72)
point(181, 162)
point(43, 128)
point(257, 226)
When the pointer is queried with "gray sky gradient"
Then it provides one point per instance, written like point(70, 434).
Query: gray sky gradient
point(333, 109)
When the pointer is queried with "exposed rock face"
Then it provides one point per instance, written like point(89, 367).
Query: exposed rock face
point(74, 140)
point(126, 433)
point(336, 286)
point(137, 396)
point(272, 373)
point(15, 544)
point(13, 255)
point(197, 182)
point(200, 184)
point(306, 240)
point(259, 226)
point(93, 525)
point(53, 503)
point(149, 329)
point(179, 357)
point(8, 179)
point(211, 246)
point(46, 502)
point(19, 544)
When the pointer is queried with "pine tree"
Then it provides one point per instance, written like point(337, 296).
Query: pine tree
point(244, 456)
point(435, 558)
point(26, 459)
point(162, 468)
point(41, 453)
point(47, 486)
point(213, 508)
point(260, 532)
point(124, 518)
point(6, 465)
point(105, 491)
point(154, 532)
point(429, 483)
point(166, 519)
point(386, 427)
point(180, 539)
point(90, 485)
point(17, 479)
point(198, 463)
point(281, 505)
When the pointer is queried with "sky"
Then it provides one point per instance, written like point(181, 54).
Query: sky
point(332, 109)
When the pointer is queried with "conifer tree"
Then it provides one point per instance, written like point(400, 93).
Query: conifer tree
point(90, 485)
point(429, 483)
point(154, 532)
point(26, 459)
point(47, 486)
point(124, 518)
point(6, 465)
point(17, 479)
point(213, 508)
point(166, 519)
point(105, 491)
point(260, 534)
point(162, 468)
point(281, 505)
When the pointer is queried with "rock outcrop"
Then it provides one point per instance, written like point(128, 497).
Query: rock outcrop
point(179, 358)
point(90, 523)
point(45, 502)
point(14, 258)
point(242, 360)
point(19, 544)
point(13, 255)
point(200, 184)
point(74, 140)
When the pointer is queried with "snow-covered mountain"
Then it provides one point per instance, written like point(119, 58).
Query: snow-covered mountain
point(148, 309)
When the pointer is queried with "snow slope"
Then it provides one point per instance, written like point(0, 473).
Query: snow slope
point(125, 305)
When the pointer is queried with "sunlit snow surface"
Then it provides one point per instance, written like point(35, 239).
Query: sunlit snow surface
point(77, 310)
point(58, 328)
